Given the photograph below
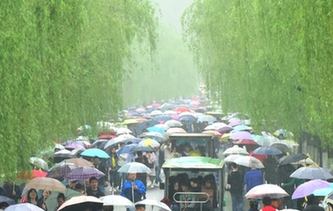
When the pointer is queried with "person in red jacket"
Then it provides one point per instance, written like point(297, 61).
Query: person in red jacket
point(267, 204)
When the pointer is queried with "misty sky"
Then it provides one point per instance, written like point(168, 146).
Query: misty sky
point(172, 10)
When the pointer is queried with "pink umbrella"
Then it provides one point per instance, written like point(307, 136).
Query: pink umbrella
point(235, 123)
point(175, 130)
point(155, 105)
point(175, 117)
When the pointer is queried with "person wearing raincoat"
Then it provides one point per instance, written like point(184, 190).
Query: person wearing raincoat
point(133, 189)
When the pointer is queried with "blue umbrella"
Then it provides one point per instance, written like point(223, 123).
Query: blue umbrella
point(144, 124)
point(156, 129)
point(266, 151)
point(6, 199)
point(240, 128)
point(95, 152)
point(163, 118)
point(187, 118)
point(323, 191)
point(126, 149)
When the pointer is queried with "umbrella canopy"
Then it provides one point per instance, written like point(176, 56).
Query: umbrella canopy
point(154, 135)
point(95, 152)
point(42, 183)
point(126, 149)
point(130, 121)
point(156, 113)
point(235, 122)
point(170, 113)
point(323, 191)
point(329, 198)
point(149, 142)
point(260, 191)
point(240, 128)
point(163, 126)
point(175, 130)
point(59, 170)
point(311, 172)
point(207, 118)
point(307, 188)
point(33, 174)
point(187, 118)
point(154, 204)
point(163, 118)
point(282, 146)
point(173, 123)
point(241, 135)
point(51, 201)
point(266, 151)
point(292, 158)
point(235, 150)
point(215, 133)
point(146, 124)
point(264, 141)
point(79, 162)
point(9, 201)
point(246, 142)
point(134, 167)
point(116, 200)
point(141, 148)
point(156, 129)
point(23, 207)
point(182, 110)
point(249, 161)
point(81, 202)
point(121, 131)
point(86, 172)
point(113, 142)
point(39, 162)
point(225, 129)
point(231, 158)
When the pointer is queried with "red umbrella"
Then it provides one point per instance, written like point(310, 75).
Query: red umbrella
point(246, 142)
point(182, 109)
point(32, 174)
point(107, 137)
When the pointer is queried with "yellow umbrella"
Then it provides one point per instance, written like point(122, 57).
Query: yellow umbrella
point(225, 137)
point(129, 121)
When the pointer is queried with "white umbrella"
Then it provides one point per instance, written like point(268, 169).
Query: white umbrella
point(39, 162)
point(116, 200)
point(175, 130)
point(156, 113)
point(249, 161)
point(121, 131)
point(59, 146)
point(23, 207)
point(173, 123)
point(154, 204)
point(170, 113)
point(235, 150)
point(134, 167)
point(187, 113)
point(216, 126)
point(232, 158)
point(270, 190)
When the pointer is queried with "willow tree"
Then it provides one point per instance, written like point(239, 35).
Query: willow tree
point(270, 59)
point(61, 67)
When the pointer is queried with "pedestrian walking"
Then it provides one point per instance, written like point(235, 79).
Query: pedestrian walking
point(235, 186)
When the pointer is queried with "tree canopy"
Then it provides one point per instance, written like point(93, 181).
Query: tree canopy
point(62, 67)
point(269, 59)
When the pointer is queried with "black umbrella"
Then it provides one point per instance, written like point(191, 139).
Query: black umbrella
point(293, 158)
point(142, 149)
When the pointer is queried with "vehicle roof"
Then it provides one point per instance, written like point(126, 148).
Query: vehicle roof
point(191, 135)
point(194, 162)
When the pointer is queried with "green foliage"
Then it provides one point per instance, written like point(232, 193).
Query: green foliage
point(61, 67)
point(167, 74)
point(269, 59)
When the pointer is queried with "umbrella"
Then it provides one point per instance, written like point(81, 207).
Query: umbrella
point(311, 172)
point(175, 130)
point(266, 151)
point(116, 200)
point(81, 173)
point(144, 125)
point(163, 118)
point(241, 135)
point(293, 158)
point(106, 136)
point(246, 142)
point(215, 133)
point(207, 118)
point(9, 201)
point(78, 162)
point(51, 201)
point(224, 138)
point(156, 129)
point(235, 150)
point(95, 152)
point(323, 191)
point(149, 142)
point(153, 135)
point(59, 170)
point(141, 148)
point(307, 188)
point(329, 198)
point(44, 183)
point(182, 110)
point(259, 191)
point(59, 146)
point(241, 128)
point(224, 129)
point(163, 126)
point(264, 141)
point(33, 174)
point(153, 203)
point(231, 158)
point(81, 202)
point(134, 167)
point(175, 117)
point(40, 163)
point(170, 113)
point(121, 131)
point(62, 154)
point(114, 141)
point(282, 146)
point(126, 136)
point(126, 149)
point(156, 113)
point(173, 123)
point(23, 207)
point(249, 161)
point(187, 118)
point(235, 123)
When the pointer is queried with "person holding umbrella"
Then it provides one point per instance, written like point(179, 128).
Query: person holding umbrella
point(133, 189)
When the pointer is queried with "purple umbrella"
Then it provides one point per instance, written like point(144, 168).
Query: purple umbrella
point(236, 122)
point(75, 145)
point(225, 129)
point(85, 172)
point(241, 135)
point(60, 170)
point(307, 188)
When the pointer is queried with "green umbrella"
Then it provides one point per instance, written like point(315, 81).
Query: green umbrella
point(51, 201)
